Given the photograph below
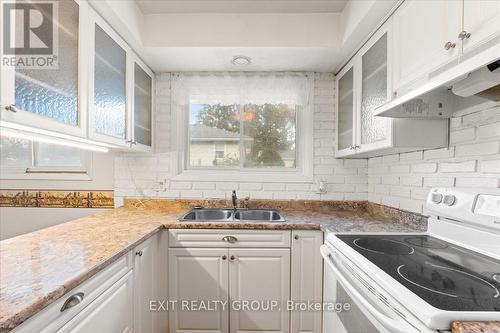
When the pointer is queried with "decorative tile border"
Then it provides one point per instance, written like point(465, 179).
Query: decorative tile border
point(56, 199)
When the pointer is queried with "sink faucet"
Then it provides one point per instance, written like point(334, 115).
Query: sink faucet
point(235, 200)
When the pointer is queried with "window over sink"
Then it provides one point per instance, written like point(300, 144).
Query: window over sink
point(242, 136)
point(259, 124)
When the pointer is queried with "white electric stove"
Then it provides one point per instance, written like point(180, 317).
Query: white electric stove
point(419, 282)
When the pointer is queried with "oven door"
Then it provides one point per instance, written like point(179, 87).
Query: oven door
point(367, 313)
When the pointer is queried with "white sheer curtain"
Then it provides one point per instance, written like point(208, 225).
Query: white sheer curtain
point(241, 88)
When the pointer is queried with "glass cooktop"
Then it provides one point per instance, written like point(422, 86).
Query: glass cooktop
point(445, 275)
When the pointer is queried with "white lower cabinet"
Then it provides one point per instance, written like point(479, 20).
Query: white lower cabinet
point(112, 312)
point(198, 274)
point(250, 279)
point(259, 279)
point(115, 300)
point(150, 284)
point(306, 279)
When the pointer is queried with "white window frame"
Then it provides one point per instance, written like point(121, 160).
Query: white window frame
point(49, 173)
point(304, 154)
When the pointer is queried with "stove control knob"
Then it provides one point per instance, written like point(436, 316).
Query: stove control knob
point(436, 198)
point(449, 200)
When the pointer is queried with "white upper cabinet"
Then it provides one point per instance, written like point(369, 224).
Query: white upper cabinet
point(99, 88)
point(345, 115)
point(425, 38)
point(481, 23)
point(108, 98)
point(360, 134)
point(374, 89)
point(52, 97)
point(141, 125)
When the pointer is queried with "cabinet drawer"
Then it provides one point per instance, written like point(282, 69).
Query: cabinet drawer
point(228, 238)
point(51, 318)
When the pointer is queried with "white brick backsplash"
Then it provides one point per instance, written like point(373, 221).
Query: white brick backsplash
point(477, 149)
point(466, 134)
point(223, 186)
point(413, 156)
point(390, 180)
point(441, 153)
point(180, 185)
point(274, 187)
point(400, 168)
point(398, 180)
point(489, 166)
point(203, 186)
point(298, 187)
point(477, 182)
point(424, 168)
point(412, 180)
point(250, 186)
point(472, 160)
point(488, 131)
point(467, 166)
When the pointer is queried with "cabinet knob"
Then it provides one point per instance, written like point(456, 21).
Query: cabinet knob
point(139, 253)
point(232, 258)
point(296, 237)
point(230, 239)
point(464, 35)
point(73, 300)
point(224, 257)
point(449, 45)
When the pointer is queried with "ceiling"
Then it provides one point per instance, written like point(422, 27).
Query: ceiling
point(240, 6)
point(263, 59)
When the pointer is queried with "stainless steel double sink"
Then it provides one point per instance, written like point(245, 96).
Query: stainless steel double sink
point(232, 215)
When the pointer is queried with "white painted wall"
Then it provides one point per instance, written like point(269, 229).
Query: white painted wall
point(18, 220)
point(138, 176)
point(472, 160)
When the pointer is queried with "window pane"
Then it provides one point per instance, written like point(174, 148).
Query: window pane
point(269, 133)
point(142, 106)
point(109, 86)
point(214, 135)
point(15, 152)
point(54, 92)
point(47, 155)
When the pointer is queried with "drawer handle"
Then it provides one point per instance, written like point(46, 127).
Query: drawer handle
point(230, 239)
point(73, 300)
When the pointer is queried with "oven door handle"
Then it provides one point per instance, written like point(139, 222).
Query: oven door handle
point(395, 326)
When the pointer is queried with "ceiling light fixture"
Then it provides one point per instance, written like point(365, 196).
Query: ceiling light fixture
point(241, 60)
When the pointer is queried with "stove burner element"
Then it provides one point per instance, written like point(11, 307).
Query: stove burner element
point(383, 246)
point(430, 243)
point(448, 281)
point(496, 277)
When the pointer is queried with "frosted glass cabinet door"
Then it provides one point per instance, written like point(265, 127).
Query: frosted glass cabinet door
point(47, 96)
point(109, 112)
point(374, 92)
point(346, 110)
point(143, 90)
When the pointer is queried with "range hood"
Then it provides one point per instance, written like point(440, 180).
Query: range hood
point(475, 78)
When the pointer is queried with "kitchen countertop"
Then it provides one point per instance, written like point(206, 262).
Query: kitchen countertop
point(40, 267)
point(475, 327)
